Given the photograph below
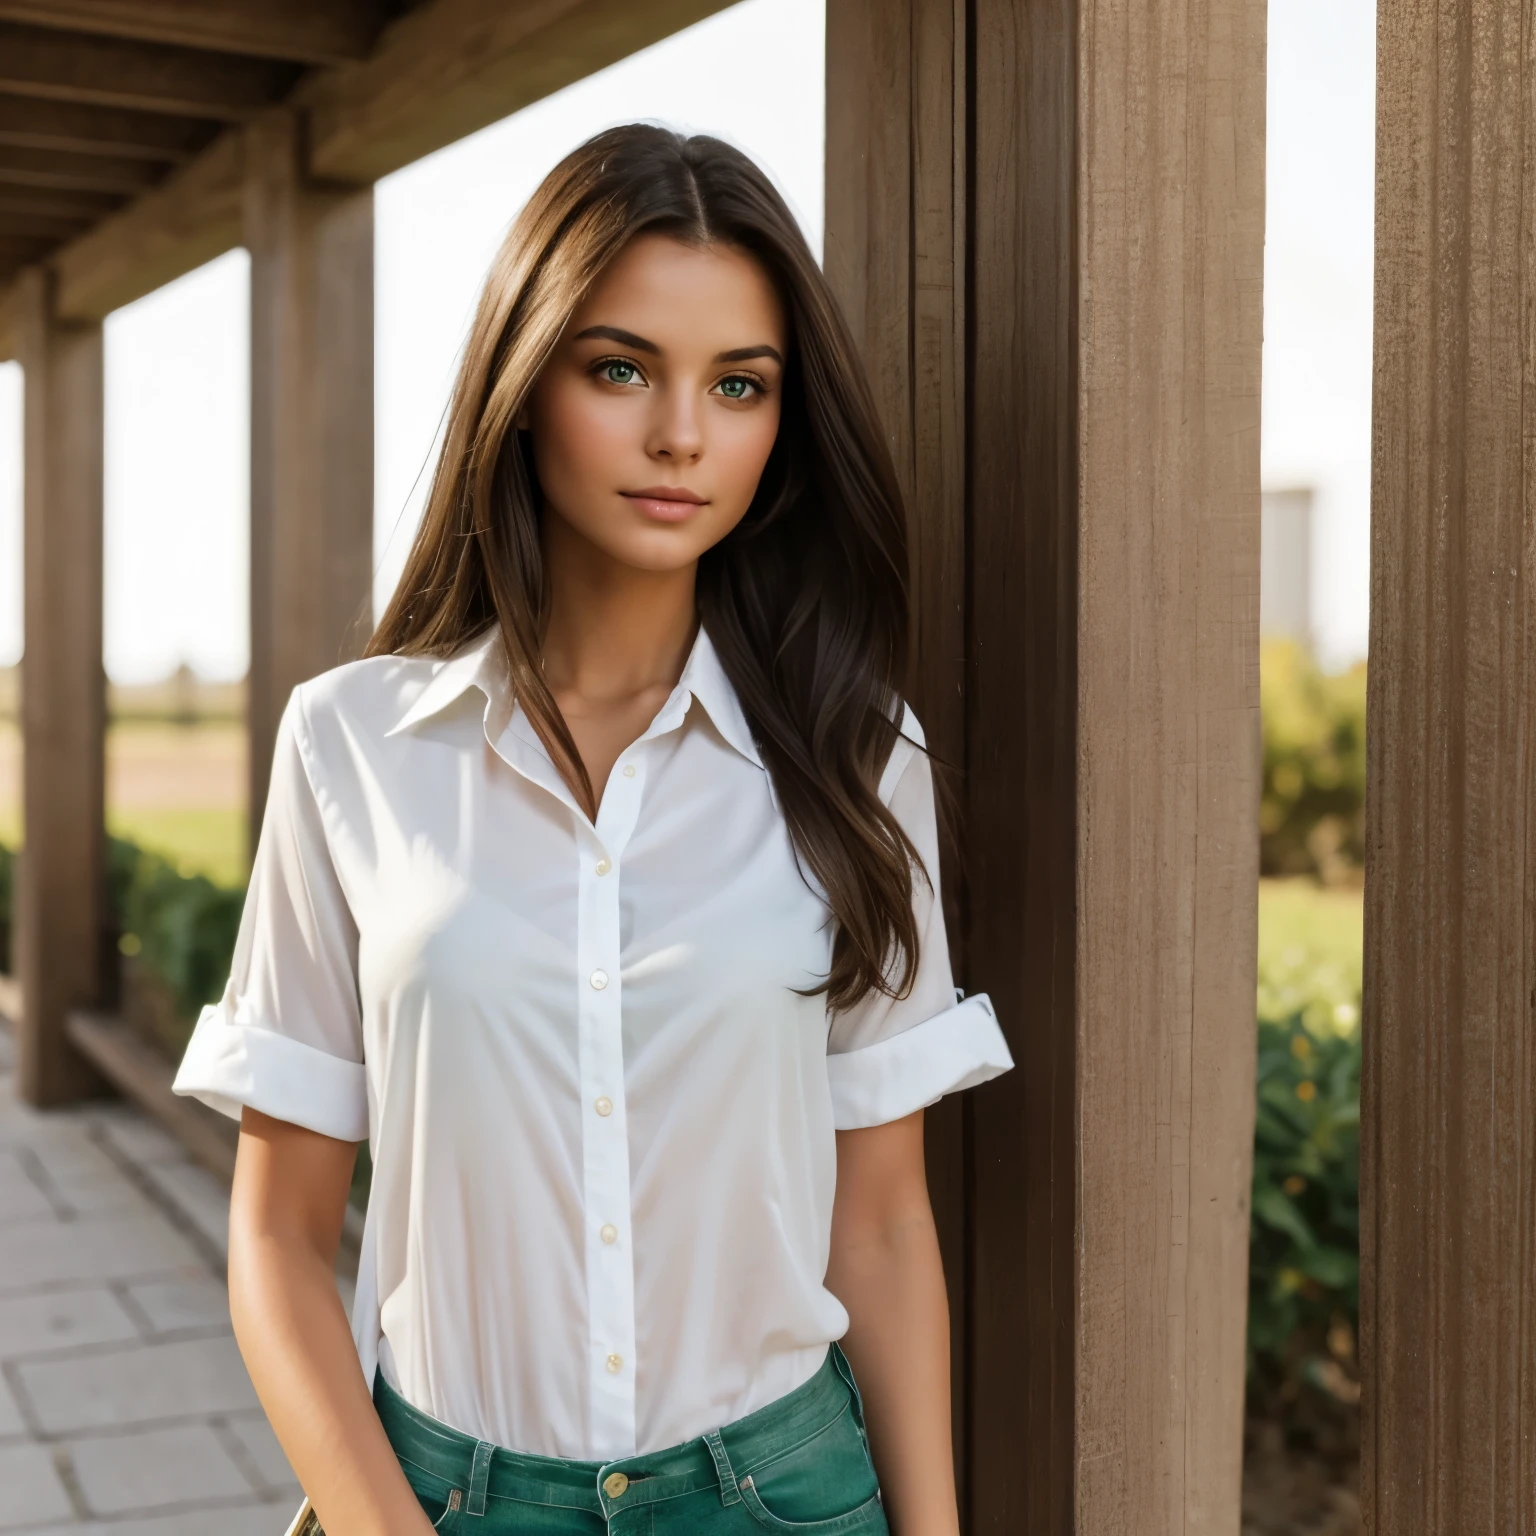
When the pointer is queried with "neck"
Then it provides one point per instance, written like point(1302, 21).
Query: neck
point(614, 630)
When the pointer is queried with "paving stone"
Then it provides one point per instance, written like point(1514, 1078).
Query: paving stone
point(87, 1179)
point(187, 1301)
point(181, 1379)
point(20, 1198)
point(260, 1442)
point(30, 1490)
point(126, 1474)
point(141, 1140)
point(199, 1195)
point(118, 1246)
point(249, 1517)
point(36, 1323)
point(11, 1421)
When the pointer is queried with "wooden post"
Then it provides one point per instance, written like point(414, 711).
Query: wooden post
point(1046, 223)
point(311, 251)
point(1448, 1156)
point(61, 877)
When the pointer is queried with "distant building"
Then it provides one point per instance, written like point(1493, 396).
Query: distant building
point(1285, 565)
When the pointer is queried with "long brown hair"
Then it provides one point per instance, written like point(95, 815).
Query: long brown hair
point(805, 600)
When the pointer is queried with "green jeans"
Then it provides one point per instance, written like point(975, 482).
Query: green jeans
point(798, 1464)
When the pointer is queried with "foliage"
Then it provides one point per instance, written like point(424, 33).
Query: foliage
point(1304, 1240)
point(7, 904)
point(1312, 814)
point(1310, 943)
point(181, 927)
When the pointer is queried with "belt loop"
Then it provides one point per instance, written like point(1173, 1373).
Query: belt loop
point(479, 1475)
point(845, 1370)
point(729, 1492)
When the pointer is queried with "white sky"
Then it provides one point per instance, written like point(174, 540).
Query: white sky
point(177, 442)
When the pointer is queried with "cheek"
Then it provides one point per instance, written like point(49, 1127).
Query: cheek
point(742, 442)
point(576, 443)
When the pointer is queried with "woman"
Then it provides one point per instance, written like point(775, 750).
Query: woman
point(597, 898)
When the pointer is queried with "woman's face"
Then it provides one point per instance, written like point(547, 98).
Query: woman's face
point(653, 419)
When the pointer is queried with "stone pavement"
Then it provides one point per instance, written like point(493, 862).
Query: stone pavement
point(125, 1409)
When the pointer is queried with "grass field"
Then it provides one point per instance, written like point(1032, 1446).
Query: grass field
point(179, 790)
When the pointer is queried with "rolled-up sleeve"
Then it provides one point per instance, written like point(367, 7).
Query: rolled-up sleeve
point(286, 1036)
point(887, 1057)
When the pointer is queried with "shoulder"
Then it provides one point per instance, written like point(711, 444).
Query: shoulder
point(358, 700)
point(910, 746)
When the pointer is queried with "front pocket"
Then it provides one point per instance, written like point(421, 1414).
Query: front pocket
point(825, 1484)
point(867, 1517)
point(439, 1501)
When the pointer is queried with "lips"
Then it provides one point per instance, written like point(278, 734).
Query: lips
point(665, 503)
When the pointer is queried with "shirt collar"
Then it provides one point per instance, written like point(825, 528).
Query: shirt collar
point(480, 663)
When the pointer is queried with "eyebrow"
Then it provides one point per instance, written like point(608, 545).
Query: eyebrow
point(640, 344)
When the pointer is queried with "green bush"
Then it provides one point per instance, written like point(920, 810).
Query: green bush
point(180, 927)
point(1312, 815)
point(1304, 1238)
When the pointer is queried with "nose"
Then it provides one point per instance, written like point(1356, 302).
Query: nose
point(676, 433)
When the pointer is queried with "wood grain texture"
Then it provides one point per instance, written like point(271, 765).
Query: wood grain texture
point(1170, 240)
point(191, 217)
point(147, 77)
point(1448, 1157)
point(309, 31)
point(61, 883)
point(311, 428)
point(34, 124)
point(451, 67)
point(894, 249)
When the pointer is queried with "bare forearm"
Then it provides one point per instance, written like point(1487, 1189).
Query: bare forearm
point(297, 1344)
point(891, 1280)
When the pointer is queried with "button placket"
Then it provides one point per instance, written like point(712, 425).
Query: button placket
point(605, 1138)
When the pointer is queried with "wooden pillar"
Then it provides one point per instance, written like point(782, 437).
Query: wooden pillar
point(311, 248)
point(1046, 223)
point(61, 879)
point(1448, 1153)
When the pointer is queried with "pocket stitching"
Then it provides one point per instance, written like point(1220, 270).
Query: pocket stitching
point(852, 1520)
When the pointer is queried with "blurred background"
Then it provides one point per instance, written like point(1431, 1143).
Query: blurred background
point(176, 616)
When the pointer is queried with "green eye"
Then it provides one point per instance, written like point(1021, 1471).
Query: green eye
point(611, 370)
point(735, 389)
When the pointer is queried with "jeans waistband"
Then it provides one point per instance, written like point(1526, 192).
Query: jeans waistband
point(721, 1458)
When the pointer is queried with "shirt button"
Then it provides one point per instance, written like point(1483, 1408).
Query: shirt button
point(629, 770)
point(602, 867)
point(609, 1233)
point(615, 1364)
point(615, 1484)
point(599, 980)
point(604, 1105)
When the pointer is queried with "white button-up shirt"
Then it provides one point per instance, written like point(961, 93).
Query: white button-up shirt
point(601, 1116)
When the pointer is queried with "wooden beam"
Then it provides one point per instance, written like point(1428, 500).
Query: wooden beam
point(12, 304)
point(32, 123)
point(88, 207)
point(147, 77)
point(450, 67)
point(193, 216)
point(307, 31)
point(61, 880)
point(311, 428)
point(66, 171)
point(52, 227)
point(1448, 1160)
point(1087, 602)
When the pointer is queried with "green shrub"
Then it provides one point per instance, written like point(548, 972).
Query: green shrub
point(1312, 815)
point(180, 927)
point(1304, 1239)
point(7, 905)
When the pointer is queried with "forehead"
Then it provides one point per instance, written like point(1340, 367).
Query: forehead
point(678, 294)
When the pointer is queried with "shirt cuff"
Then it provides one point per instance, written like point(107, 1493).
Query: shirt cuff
point(229, 1063)
point(955, 1049)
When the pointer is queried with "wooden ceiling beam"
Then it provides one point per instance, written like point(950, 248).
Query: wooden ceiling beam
point(50, 226)
point(147, 77)
point(33, 123)
point(10, 313)
point(302, 31)
point(47, 203)
point(64, 171)
point(191, 217)
point(451, 67)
